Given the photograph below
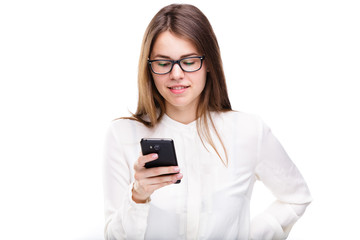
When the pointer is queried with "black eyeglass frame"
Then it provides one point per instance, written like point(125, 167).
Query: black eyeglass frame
point(173, 62)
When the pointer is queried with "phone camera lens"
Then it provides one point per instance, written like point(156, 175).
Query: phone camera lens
point(157, 147)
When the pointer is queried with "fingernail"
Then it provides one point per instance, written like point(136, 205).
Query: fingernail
point(154, 156)
point(176, 169)
point(179, 176)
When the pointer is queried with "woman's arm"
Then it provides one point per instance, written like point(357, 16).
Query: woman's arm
point(127, 200)
point(123, 217)
point(281, 176)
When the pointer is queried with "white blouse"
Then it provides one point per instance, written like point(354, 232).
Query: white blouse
point(212, 201)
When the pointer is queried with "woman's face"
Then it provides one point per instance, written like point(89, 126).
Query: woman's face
point(181, 90)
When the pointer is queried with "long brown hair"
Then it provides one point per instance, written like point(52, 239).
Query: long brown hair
point(190, 23)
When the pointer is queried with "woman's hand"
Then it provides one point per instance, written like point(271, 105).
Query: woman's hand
point(147, 180)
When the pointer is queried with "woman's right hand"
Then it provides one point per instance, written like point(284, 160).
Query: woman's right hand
point(147, 180)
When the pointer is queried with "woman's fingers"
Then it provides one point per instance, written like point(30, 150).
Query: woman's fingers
point(140, 163)
point(164, 179)
point(142, 172)
point(154, 183)
point(150, 174)
point(157, 171)
point(147, 180)
point(145, 187)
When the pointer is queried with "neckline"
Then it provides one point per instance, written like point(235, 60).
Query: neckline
point(178, 125)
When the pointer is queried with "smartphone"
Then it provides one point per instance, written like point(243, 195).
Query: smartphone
point(165, 149)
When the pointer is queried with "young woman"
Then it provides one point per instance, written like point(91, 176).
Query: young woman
point(220, 152)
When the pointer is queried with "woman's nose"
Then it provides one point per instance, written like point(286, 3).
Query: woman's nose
point(176, 73)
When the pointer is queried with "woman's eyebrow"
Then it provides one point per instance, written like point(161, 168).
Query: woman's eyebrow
point(161, 56)
point(182, 56)
point(189, 55)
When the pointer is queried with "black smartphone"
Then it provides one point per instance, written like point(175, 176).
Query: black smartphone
point(165, 149)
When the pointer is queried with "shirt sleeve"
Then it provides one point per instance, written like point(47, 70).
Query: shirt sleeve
point(282, 177)
point(124, 219)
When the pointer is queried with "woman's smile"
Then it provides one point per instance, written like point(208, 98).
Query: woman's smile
point(178, 89)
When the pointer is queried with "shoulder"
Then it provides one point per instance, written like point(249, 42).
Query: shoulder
point(125, 123)
point(241, 124)
point(127, 130)
point(237, 118)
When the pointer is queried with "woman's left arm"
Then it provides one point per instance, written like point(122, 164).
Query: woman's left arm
point(282, 177)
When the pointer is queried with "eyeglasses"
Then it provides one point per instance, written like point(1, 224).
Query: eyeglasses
point(189, 64)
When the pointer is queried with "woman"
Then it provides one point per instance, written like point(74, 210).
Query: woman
point(221, 153)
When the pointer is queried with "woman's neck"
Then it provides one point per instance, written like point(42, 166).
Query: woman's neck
point(182, 115)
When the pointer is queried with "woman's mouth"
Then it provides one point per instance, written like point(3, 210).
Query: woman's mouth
point(178, 89)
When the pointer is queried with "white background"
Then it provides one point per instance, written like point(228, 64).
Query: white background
point(67, 68)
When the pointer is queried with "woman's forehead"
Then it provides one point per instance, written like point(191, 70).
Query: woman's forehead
point(169, 45)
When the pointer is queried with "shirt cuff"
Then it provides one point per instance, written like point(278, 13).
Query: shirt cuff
point(135, 221)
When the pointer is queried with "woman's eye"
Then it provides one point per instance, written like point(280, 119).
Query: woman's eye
point(163, 64)
point(188, 63)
